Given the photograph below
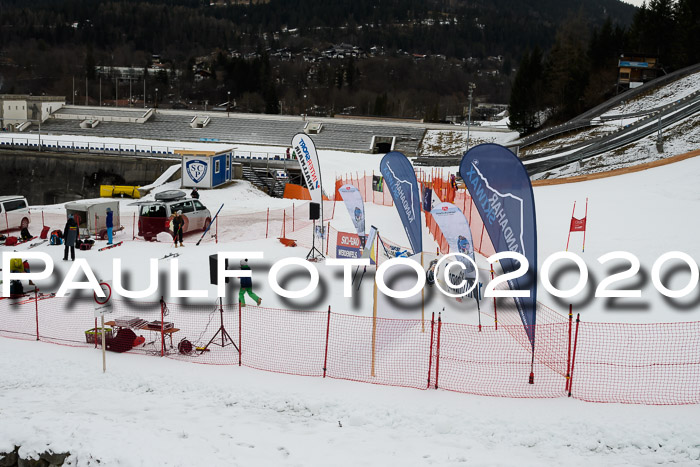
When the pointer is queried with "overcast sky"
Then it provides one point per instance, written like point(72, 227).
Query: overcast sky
point(634, 2)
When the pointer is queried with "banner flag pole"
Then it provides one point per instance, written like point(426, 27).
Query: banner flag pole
point(374, 324)
point(569, 237)
point(422, 299)
point(585, 216)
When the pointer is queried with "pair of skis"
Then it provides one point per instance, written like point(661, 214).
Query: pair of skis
point(27, 240)
point(41, 296)
point(171, 255)
point(110, 246)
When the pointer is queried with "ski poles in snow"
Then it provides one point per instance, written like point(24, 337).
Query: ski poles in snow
point(210, 224)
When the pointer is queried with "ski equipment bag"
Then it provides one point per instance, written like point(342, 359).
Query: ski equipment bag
point(56, 238)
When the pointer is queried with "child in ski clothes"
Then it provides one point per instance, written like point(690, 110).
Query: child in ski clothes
point(110, 225)
point(247, 286)
point(178, 227)
point(70, 235)
point(19, 266)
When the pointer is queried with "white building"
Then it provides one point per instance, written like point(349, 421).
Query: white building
point(19, 111)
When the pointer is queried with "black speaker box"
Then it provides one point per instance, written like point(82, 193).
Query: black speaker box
point(213, 270)
point(314, 211)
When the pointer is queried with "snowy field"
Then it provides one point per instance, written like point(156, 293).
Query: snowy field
point(144, 413)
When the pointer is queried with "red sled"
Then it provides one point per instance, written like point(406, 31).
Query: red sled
point(44, 232)
point(11, 241)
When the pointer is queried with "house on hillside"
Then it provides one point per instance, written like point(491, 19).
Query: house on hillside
point(636, 69)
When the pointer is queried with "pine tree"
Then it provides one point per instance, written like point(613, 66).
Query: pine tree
point(687, 19)
point(526, 93)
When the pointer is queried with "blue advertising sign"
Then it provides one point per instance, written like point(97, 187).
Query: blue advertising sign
point(502, 193)
point(401, 179)
point(349, 246)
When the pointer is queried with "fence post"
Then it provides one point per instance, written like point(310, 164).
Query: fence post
point(437, 351)
point(36, 308)
point(430, 355)
point(573, 357)
point(481, 240)
point(95, 337)
point(284, 224)
point(267, 223)
point(328, 328)
point(43, 224)
point(133, 228)
point(293, 216)
point(216, 237)
point(495, 311)
point(240, 342)
point(162, 336)
point(568, 353)
point(328, 236)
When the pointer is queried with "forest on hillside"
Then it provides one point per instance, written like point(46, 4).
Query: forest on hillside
point(580, 71)
point(403, 58)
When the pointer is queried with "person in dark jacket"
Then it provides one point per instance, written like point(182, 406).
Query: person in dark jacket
point(110, 225)
point(178, 228)
point(70, 235)
point(247, 286)
point(195, 193)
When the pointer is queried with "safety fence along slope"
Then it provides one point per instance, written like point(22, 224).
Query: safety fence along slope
point(602, 362)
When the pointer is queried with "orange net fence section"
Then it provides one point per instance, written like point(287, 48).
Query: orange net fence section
point(601, 362)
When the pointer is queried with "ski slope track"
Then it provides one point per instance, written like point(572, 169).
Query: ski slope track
point(633, 132)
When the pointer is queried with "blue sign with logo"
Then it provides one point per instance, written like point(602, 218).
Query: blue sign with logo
point(401, 179)
point(502, 193)
point(196, 169)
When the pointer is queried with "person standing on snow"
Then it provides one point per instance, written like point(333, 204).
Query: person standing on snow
point(195, 193)
point(247, 286)
point(110, 225)
point(70, 235)
point(178, 227)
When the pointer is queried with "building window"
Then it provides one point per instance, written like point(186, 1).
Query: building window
point(217, 166)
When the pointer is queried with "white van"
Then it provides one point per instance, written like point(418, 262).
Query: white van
point(14, 213)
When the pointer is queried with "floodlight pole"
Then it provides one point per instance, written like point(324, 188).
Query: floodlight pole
point(472, 86)
point(622, 114)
